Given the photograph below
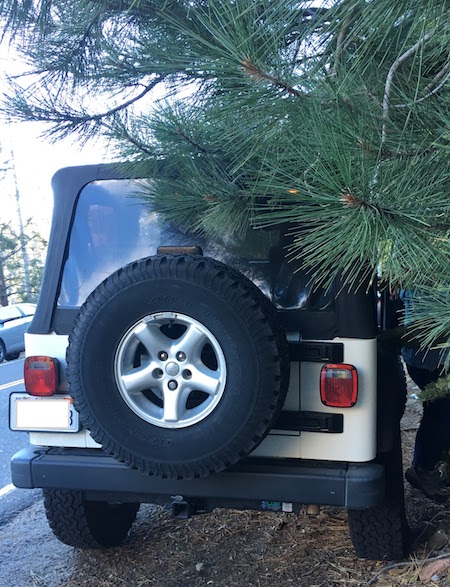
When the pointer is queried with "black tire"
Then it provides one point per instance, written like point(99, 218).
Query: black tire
point(2, 351)
point(382, 533)
point(248, 346)
point(12, 356)
point(87, 524)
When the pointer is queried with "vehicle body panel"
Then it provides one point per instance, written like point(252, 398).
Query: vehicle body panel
point(303, 394)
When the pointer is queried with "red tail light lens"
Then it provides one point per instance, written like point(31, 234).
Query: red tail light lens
point(338, 385)
point(41, 375)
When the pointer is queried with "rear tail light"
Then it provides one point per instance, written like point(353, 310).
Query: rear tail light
point(338, 385)
point(41, 375)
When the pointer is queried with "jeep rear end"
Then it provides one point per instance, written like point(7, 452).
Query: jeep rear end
point(332, 435)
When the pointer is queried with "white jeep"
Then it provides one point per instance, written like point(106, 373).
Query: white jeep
point(168, 367)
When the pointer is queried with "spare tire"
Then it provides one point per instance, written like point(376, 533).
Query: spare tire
point(177, 365)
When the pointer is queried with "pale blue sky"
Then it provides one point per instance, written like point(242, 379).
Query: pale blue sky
point(36, 160)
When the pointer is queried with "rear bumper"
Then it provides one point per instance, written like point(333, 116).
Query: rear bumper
point(102, 477)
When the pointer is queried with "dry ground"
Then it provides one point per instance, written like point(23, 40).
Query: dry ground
point(227, 548)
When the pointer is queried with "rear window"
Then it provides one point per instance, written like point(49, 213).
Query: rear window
point(114, 226)
point(9, 313)
point(27, 309)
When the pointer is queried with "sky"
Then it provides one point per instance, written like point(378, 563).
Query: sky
point(35, 161)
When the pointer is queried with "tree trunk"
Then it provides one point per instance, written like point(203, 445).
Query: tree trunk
point(23, 240)
point(3, 293)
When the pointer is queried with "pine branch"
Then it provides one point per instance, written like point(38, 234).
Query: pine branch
point(339, 47)
point(351, 201)
point(196, 146)
point(390, 78)
point(432, 93)
point(386, 154)
point(63, 116)
point(17, 250)
point(403, 564)
point(120, 131)
point(441, 74)
point(259, 74)
point(436, 390)
point(340, 42)
point(108, 113)
point(19, 291)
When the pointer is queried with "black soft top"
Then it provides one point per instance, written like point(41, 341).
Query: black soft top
point(352, 315)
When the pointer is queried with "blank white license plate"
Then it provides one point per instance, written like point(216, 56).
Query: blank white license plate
point(42, 414)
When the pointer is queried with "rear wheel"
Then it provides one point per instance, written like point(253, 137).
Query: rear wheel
point(2, 351)
point(381, 532)
point(87, 524)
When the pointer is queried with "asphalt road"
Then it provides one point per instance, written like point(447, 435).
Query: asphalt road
point(12, 500)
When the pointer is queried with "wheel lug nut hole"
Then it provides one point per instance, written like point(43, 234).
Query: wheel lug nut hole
point(158, 373)
point(187, 374)
point(181, 356)
point(172, 385)
point(163, 356)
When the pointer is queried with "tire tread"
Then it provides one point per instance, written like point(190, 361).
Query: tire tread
point(251, 304)
point(82, 524)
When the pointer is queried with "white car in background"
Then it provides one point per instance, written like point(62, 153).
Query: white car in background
point(14, 322)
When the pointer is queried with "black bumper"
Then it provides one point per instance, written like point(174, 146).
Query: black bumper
point(253, 481)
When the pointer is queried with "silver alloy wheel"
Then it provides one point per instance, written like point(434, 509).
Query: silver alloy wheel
point(170, 370)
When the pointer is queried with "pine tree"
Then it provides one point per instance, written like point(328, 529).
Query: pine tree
point(13, 286)
point(330, 120)
point(21, 246)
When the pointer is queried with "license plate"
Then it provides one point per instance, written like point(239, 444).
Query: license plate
point(29, 413)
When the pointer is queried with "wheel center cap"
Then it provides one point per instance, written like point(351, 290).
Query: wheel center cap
point(172, 369)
